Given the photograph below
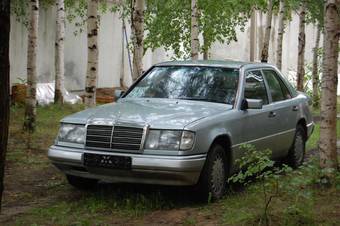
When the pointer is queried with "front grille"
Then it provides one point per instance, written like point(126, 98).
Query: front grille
point(98, 136)
point(124, 138)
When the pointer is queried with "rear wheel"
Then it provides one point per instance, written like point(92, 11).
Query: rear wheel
point(213, 178)
point(81, 182)
point(296, 153)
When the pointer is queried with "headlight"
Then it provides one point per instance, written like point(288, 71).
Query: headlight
point(169, 140)
point(72, 133)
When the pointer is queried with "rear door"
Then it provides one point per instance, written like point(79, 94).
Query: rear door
point(285, 110)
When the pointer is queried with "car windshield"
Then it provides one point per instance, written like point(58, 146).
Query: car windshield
point(199, 83)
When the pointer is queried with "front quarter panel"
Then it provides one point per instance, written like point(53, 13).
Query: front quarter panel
point(208, 129)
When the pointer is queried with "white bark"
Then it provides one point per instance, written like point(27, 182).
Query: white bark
point(265, 49)
point(252, 36)
point(32, 50)
point(59, 53)
point(122, 63)
point(137, 28)
point(328, 152)
point(315, 71)
point(281, 31)
point(195, 45)
point(92, 53)
point(301, 48)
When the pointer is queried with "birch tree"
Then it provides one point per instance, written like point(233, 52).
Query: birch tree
point(315, 70)
point(32, 49)
point(281, 31)
point(195, 44)
point(265, 49)
point(4, 87)
point(328, 138)
point(92, 53)
point(301, 48)
point(137, 29)
point(59, 52)
point(122, 62)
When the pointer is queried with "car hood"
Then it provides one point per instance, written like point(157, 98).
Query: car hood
point(158, 113)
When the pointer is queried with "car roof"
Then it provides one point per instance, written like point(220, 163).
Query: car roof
point(213, 63)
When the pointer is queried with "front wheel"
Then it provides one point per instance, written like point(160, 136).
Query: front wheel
point(296, 153)
point(81, 182)
point(213, 178)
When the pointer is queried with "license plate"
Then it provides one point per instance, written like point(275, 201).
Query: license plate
point(107, 161)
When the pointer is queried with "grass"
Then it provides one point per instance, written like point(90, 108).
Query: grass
point(314, 138)
point(309, 204)
point(47, 126)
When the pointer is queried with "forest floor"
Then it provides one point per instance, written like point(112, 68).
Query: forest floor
point(37, 194)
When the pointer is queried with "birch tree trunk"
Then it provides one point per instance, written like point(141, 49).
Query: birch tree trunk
point(59, 53)
point(137, 28)
point(281, 31)
point(32, 50)
point(195, 44)
point(265, 49)
point(92, 53)
point(315, 71)
point(4, 87)
point(327, 146)
point(205, 48)
point(301, 48)
point(122, 63)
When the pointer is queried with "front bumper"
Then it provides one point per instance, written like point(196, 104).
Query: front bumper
point(149, 169)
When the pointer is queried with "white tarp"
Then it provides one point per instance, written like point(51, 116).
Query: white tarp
point(45, 94)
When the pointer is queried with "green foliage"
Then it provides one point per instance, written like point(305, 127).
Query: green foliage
point(168, 22)
point(315, 14)
point(308, 86)
point(257, 164)
point(253, 165)
point(280, 182)
point(314, 10)
point(219, 19)
point(76, 12)
point(20, 9)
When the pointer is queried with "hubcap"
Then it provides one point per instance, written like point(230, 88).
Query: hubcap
point(217, 179)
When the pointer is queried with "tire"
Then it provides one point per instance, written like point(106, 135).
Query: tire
point(81, 182)
point(213, 179)
point(297, 151)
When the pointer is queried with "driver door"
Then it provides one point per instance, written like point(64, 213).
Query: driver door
point(258, 124)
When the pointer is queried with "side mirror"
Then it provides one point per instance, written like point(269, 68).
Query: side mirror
point(251, 104)
point(118, 93)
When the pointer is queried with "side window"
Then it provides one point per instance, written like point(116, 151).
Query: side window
point(277, 88)
point(255, 87)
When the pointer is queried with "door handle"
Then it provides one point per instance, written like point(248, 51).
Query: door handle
point(295, 108)
point(272, 114)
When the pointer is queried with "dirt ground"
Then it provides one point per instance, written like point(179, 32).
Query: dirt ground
point(27, 189)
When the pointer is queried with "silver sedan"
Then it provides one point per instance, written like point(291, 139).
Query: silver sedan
point(183, 123)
